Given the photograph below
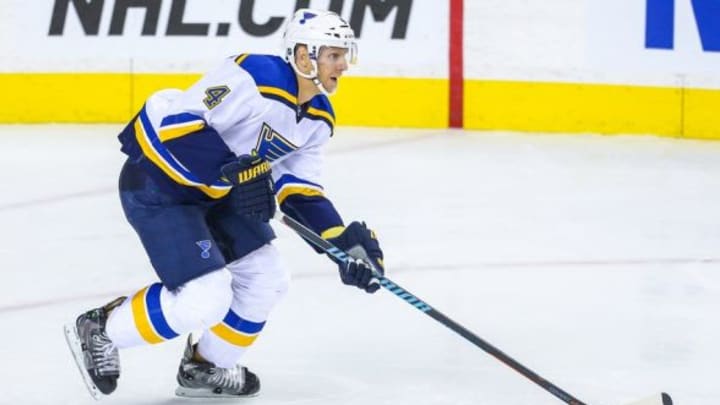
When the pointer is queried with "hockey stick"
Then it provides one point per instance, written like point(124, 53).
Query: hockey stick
point(342, 256)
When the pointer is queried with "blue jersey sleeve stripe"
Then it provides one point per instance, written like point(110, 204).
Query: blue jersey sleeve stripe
point(182, 118)
point(157, 153)
point(286, 179)
point(156, 149)
point(176, 126)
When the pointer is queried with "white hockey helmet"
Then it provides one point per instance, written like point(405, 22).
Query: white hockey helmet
point(315, 29)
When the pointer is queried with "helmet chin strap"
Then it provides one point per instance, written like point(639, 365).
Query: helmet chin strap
point(320, 87)
point(312, 76)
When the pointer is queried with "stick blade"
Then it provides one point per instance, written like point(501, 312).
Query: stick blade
point(656, 399)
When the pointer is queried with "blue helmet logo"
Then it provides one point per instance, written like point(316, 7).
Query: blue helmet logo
point(306, 16)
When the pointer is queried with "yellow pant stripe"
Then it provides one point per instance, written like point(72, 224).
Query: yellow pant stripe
point(142, 319)
point(233, 337)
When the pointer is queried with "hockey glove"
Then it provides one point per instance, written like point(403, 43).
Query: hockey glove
point(360, 242)
point(252, 193)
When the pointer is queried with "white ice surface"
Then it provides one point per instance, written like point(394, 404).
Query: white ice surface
point(591, 260)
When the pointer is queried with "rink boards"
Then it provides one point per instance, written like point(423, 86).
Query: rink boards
point(570, 66)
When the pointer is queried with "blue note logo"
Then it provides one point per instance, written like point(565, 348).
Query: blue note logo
point(271, 145)
point(306, 16)
point(205, 246)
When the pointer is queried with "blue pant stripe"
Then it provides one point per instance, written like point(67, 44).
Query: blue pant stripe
point(234, 321)
point(152, 301)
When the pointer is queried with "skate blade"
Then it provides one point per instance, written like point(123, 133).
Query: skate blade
point(206, 393)
point(73, 341)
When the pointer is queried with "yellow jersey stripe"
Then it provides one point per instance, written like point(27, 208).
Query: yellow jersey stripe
point(231, 336)
point(278, 92)
point(154, 157)
point(142, 318)
point(241, 58)
point(321, 113)
point(176, 131)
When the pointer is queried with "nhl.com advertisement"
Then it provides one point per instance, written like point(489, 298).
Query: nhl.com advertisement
point(252, 18)
point(189, 35)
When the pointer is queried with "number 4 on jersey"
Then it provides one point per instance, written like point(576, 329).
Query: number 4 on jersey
point(214, 96)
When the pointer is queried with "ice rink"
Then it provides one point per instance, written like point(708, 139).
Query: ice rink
point(592, 260)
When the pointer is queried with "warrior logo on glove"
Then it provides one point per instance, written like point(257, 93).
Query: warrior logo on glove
point(257, 168)
point(252, 194)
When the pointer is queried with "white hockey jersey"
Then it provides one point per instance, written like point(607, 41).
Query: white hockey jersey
point(247, 105)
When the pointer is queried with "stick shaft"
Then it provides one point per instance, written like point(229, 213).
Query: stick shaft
point(422, 306)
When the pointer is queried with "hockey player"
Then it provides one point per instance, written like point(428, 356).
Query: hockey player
point(205, 170)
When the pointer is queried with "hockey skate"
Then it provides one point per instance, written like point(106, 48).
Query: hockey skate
point(199, 379)
point(95, 355)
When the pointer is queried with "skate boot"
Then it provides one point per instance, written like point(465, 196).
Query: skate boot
point(95, 354)
point(201, 379)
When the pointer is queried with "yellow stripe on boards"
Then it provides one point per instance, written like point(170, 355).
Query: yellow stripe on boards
point(702, 114)
point(231, 336)
point(117, 97)
point(81, 97)
point(65, 98)
point(142, 319)
point(145, 84)
point(572, 108)
point(395, 102)
point(392, 102)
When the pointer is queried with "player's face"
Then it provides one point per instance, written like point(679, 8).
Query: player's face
point(331, 63)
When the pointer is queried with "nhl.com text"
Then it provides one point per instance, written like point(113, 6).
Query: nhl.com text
point(89, 15)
